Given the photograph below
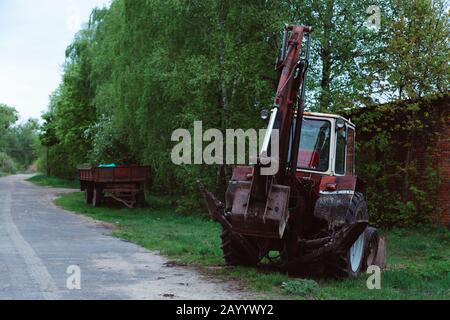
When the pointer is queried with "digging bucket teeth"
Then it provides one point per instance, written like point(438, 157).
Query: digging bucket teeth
point(216, 208)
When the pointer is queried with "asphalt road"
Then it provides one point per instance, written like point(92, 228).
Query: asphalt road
point(40, 242)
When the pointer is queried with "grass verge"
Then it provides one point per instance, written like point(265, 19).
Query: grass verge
point(418, 259)
point(42, 180)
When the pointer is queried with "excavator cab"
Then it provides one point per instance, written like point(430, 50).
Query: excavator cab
point(327, 145)
point(314, 149)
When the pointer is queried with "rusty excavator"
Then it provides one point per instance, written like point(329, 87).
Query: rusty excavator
point(312, 212)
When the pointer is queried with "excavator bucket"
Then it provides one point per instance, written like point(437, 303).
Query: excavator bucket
point(252, 218)
point(260, 217)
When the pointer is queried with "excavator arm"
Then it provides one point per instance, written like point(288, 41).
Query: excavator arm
point(261, 206)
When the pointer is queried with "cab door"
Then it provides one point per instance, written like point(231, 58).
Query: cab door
point(344, 159)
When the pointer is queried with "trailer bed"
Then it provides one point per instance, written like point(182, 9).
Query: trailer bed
point(125, 184)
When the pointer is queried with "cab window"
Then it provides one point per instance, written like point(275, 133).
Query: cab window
point(340, 151)
point(350, 151)
point(314, 149)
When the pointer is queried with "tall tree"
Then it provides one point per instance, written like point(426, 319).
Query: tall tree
point(343, 43)
point(8, 116)
point(414, 59)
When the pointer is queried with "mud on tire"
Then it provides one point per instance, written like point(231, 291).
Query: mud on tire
point(339, 264)
point(235, 253)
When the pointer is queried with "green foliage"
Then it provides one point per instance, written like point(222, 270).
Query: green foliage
point(132, 77)
point(54, 182)
point(413, 62)
point(70, 113)
point(306, 288)
point(7, 165)
point(410, 58)
point(141, 69)
point(8, 116)
point(396, 158)
point(18, 142)
point(343, 50)
point(22, 143)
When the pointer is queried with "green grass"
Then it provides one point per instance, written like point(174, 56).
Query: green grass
point(42, 180)
point(418, 259)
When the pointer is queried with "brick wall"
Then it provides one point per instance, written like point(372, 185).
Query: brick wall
point(442, 156)
point(436, 154)
point(426, 152)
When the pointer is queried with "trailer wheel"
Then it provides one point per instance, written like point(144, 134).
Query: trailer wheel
point(97, 197)
point(349, 264)
point(140, 199)
point(88, 195)
point(371, 247)
point(234, 253)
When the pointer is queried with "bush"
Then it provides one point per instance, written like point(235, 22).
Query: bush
point(305, 288)
point(7, 164)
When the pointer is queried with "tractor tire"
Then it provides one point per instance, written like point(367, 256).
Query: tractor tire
point(234, 253)
point(370, 247)
point(97, 197)
point(349, 264)
point(88, 195)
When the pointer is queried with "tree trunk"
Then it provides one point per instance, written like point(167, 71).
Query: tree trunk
point(222, 170)
point(47, 168)
point(326, 56)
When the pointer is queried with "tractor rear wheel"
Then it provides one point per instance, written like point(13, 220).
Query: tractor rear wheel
point(349, 264)
point(235, 253)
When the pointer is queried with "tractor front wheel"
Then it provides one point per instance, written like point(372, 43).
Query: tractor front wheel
point(349, 264)
point(235, 253)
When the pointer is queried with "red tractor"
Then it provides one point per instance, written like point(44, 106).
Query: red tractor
point(312, 211)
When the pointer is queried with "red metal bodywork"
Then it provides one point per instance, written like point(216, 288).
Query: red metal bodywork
point(328, 183)
point(121, 174)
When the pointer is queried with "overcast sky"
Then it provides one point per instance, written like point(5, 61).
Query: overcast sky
point(33, 37)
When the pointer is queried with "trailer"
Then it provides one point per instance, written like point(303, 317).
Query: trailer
point(125, 184)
